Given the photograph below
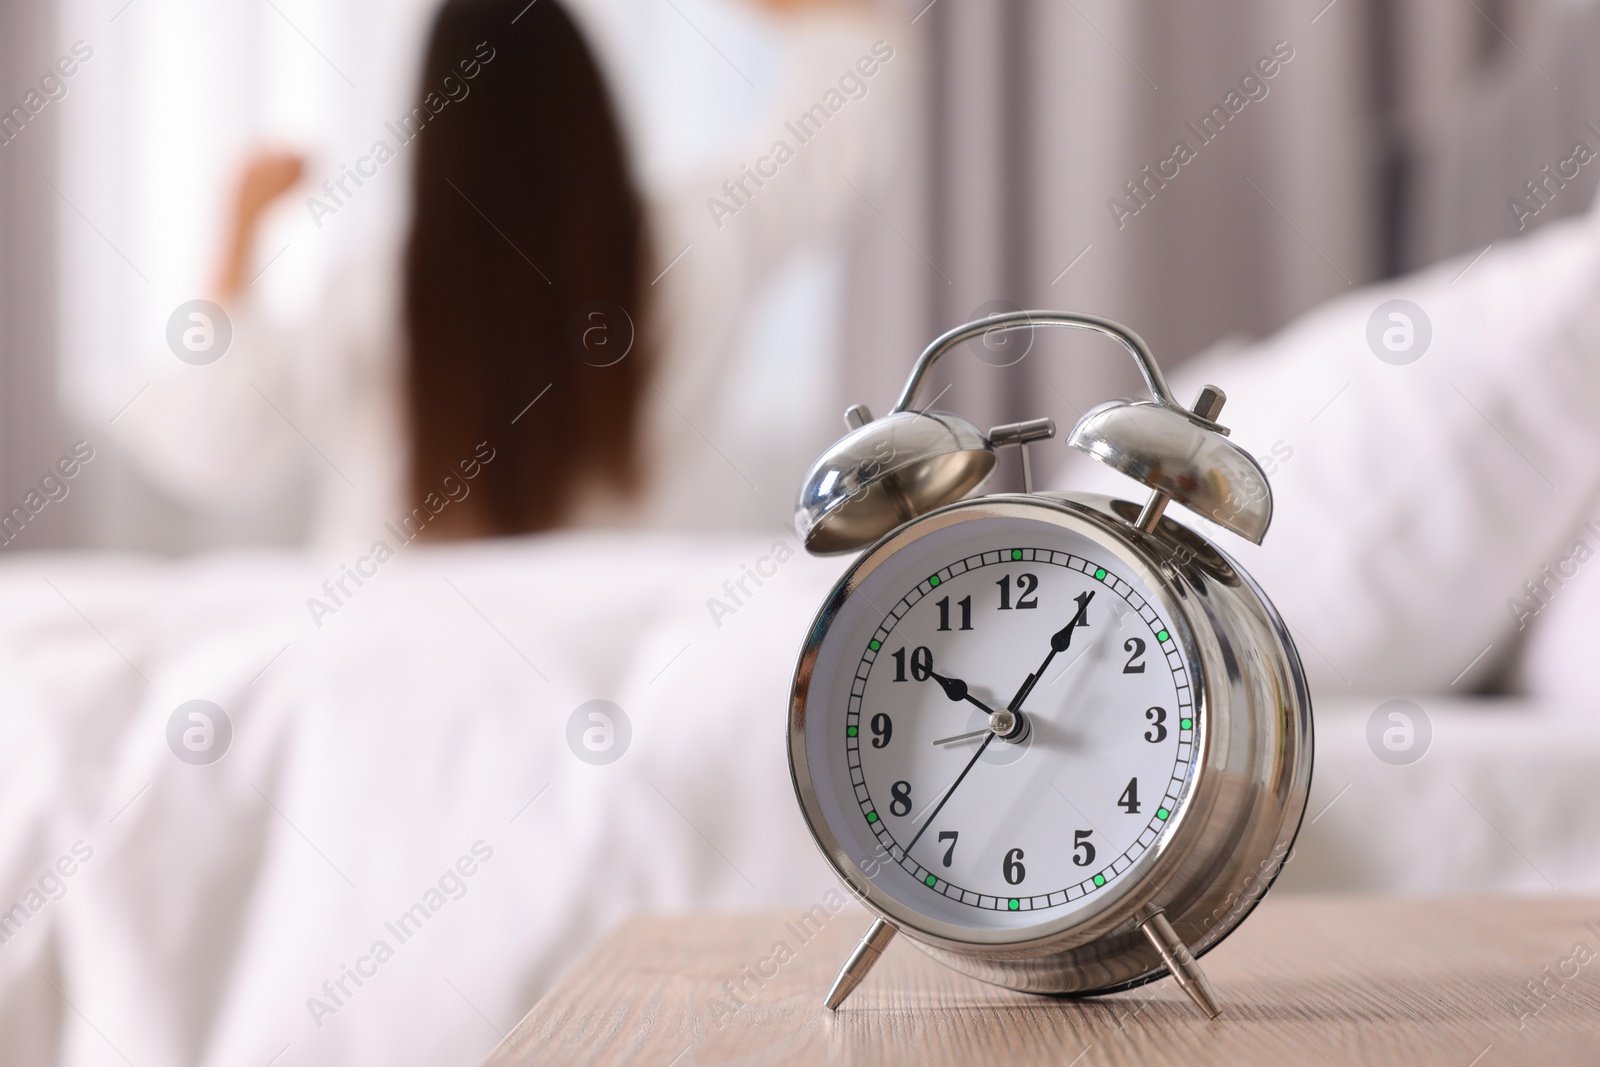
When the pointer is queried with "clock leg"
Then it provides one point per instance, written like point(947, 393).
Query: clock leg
point(1181, 963)
point(873, 942)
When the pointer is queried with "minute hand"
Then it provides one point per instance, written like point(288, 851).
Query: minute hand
point(1060, 641)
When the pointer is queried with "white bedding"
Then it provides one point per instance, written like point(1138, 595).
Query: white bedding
point(409, 733)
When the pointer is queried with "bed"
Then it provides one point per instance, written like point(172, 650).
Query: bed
point(400, 848)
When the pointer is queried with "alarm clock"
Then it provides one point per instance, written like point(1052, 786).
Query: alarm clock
point(1060, 741)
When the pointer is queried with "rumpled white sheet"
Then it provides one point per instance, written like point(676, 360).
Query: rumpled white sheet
point(420, 721)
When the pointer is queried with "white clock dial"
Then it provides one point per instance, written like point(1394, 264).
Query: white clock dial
point(1007, 721)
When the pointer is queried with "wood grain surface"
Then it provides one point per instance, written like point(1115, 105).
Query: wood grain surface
point(1462, 982)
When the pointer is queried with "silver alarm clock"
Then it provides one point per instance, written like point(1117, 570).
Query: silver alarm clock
point(1060, 741)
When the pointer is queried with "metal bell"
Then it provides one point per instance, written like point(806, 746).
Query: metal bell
point(885, 473)
point(1184, 456)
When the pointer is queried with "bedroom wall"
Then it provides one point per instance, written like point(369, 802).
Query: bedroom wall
point(30, 430)
point(1391, 140)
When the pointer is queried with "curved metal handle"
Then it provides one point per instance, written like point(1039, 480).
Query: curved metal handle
point(1013, 320)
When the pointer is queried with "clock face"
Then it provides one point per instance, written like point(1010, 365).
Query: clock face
point(1001, 722)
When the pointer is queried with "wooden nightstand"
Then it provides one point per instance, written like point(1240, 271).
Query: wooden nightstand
point(1463, 982)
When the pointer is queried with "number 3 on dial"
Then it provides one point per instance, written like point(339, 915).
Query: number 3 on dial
point(1157, 732)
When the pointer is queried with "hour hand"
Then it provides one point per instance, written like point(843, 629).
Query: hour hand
point(956, 689)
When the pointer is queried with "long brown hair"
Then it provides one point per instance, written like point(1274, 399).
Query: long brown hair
point(522, 272)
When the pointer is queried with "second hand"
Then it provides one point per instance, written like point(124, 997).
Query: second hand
point(934, 813)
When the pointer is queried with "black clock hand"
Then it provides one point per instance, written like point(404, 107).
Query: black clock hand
point(1060, 641)
point(956, 689)
point(931, 815)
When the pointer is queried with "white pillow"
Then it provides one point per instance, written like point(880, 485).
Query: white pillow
point(1557, 609)
point(1412, 500)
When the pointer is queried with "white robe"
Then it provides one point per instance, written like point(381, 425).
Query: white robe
point(328, 397)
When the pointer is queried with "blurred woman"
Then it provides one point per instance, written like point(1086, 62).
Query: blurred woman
point(514, 368)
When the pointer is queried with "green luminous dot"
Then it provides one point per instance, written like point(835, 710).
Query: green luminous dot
point(1100, 574)
point(874, 645)
point(931, 880)
point(1016, 553)
point(1015, 904)
point(1099, 879)
point(850, 731)
point(872, 816)
point(1162, 636)
point(1162, 813)
point(1187, 724)
point(934, 580)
